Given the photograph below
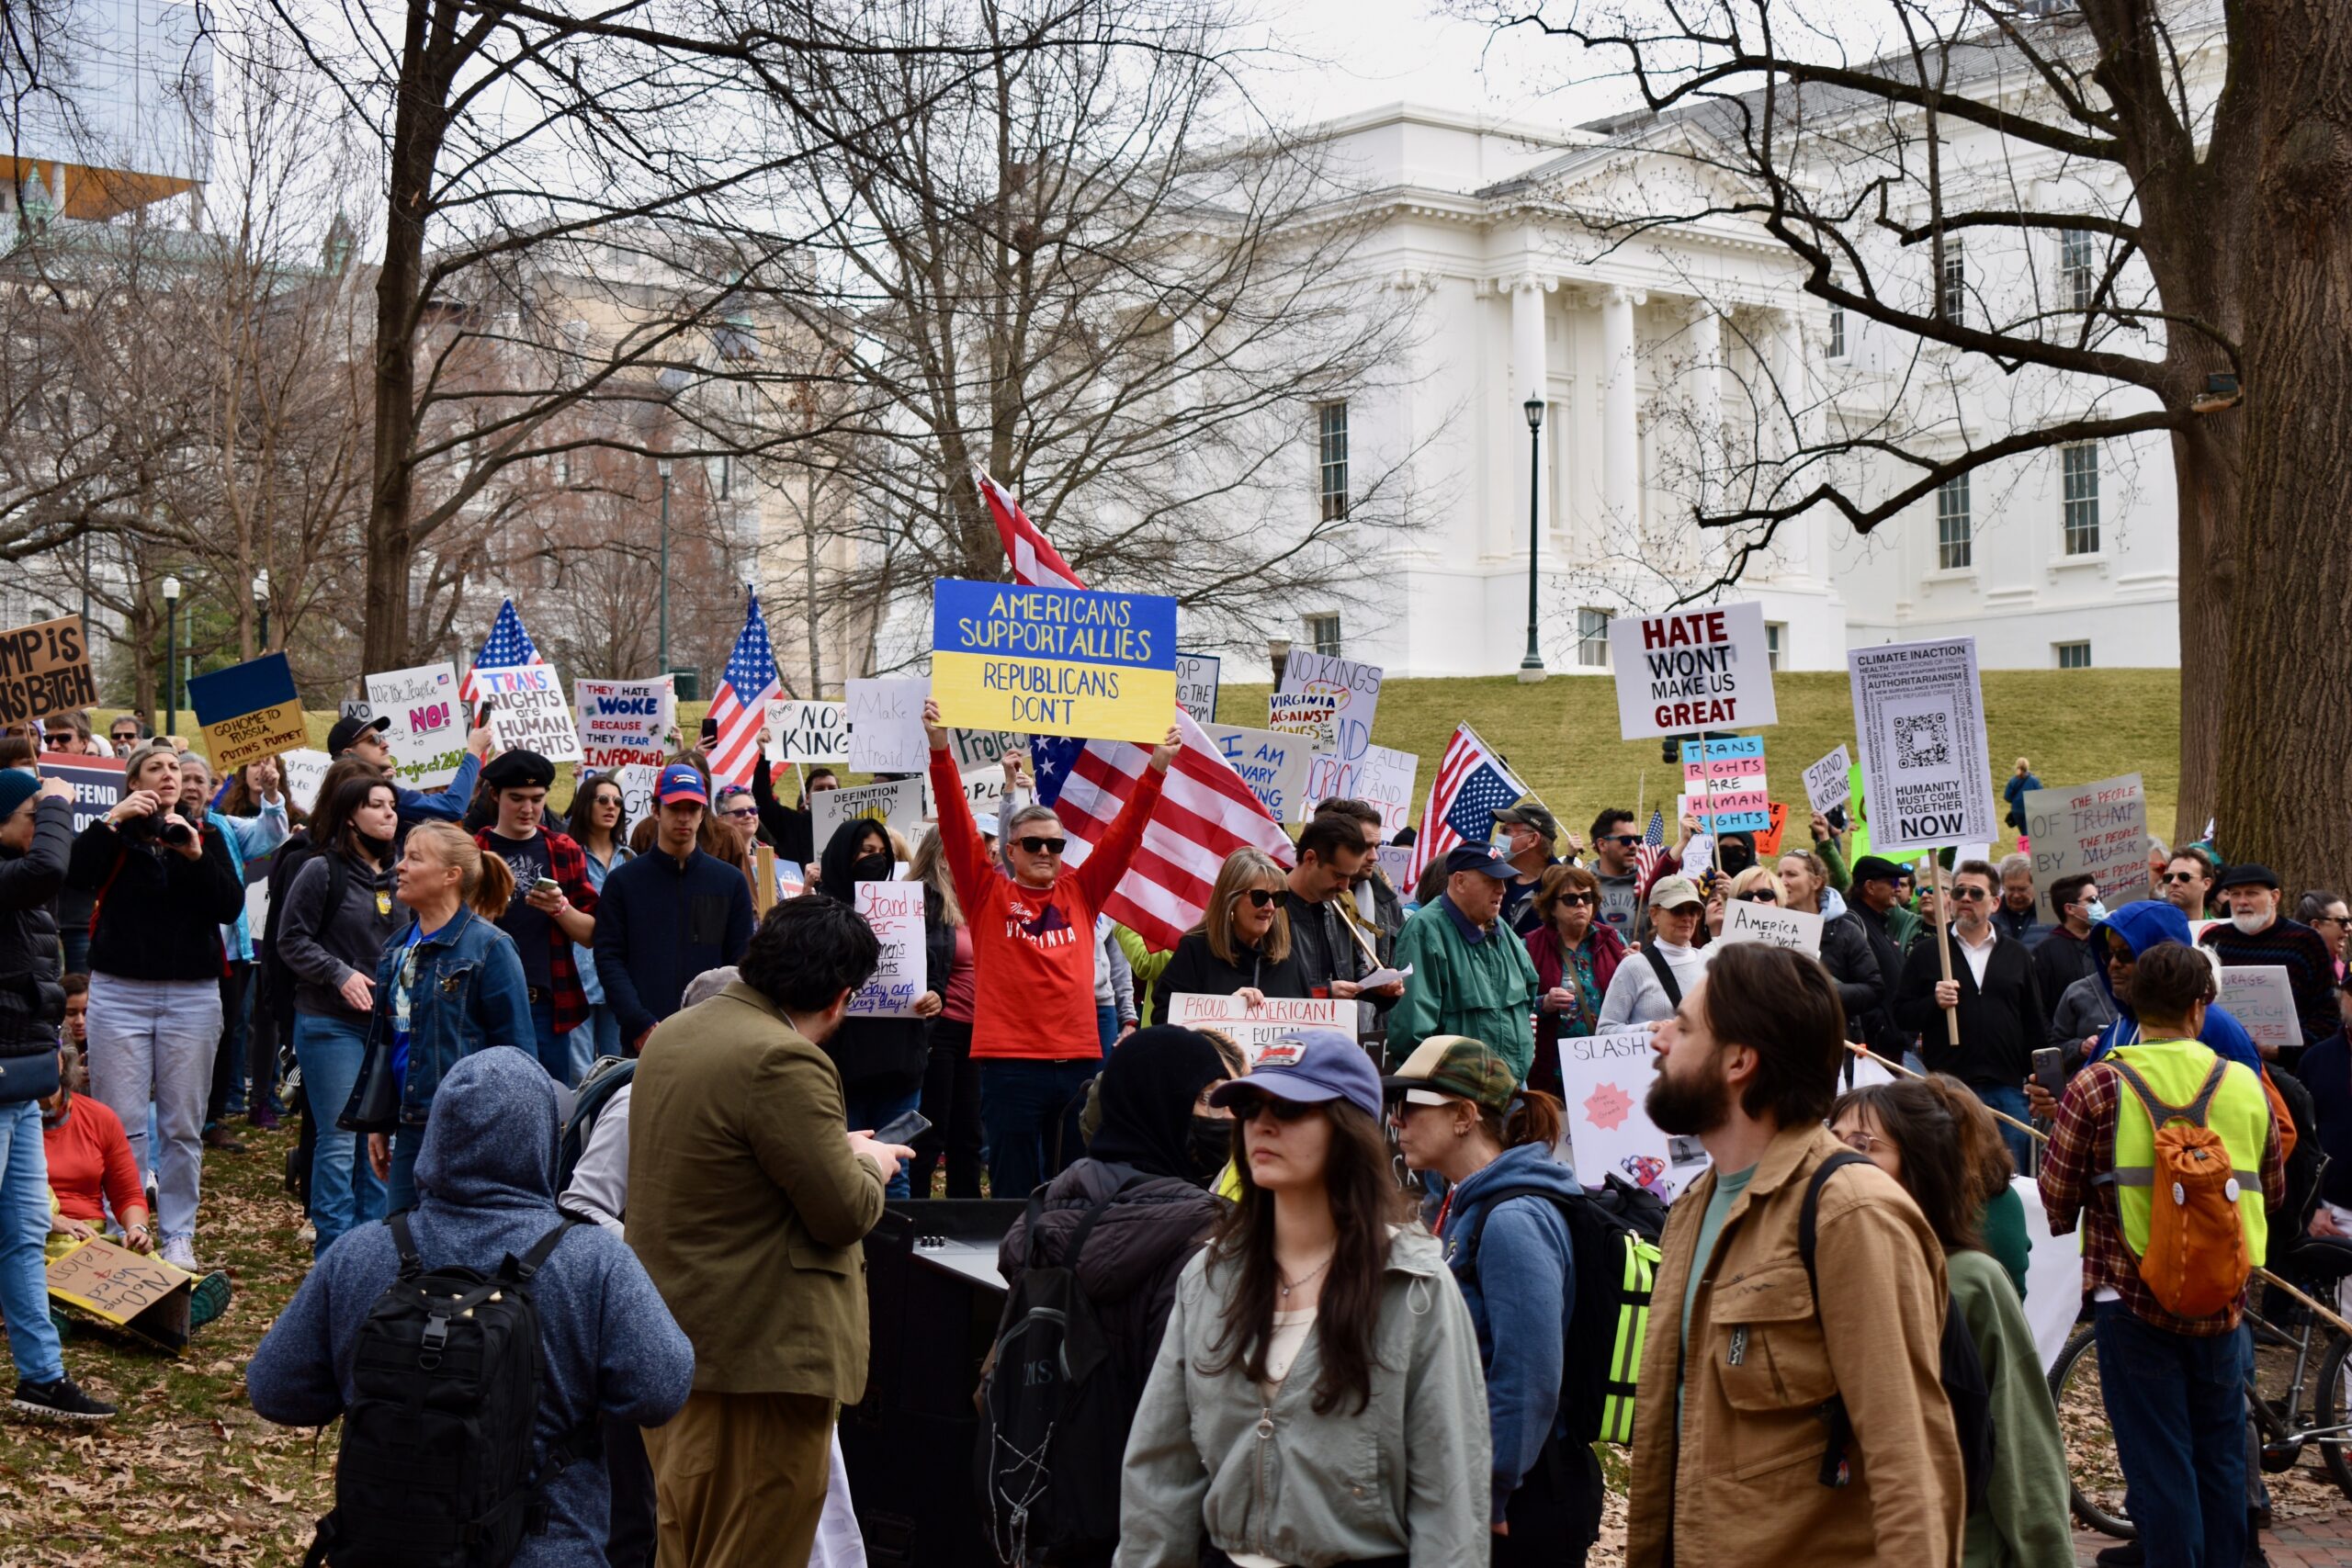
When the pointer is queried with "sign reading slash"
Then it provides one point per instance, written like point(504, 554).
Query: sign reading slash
point(248, 711)
point(1054, 660)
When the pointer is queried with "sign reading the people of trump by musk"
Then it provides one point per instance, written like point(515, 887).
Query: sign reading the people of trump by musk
point(624, 724)
point(808, 732)
point(2100, 830)
point(895, 911)
point(886, 726)
point(2260, 997)
point(247, 712)
point(1255, 1028)
point(528, 711)
point(1054, 660)
point(1687, 669)
point(1919, 712)
point(427, 736)
point(1196, 683)
point(1772, 925)
point(45, 669)
point(1726, 779)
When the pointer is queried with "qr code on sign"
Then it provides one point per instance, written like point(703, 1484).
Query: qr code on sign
point(1923, 741)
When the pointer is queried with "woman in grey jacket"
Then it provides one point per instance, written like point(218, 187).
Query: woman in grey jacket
point(1317, 1398)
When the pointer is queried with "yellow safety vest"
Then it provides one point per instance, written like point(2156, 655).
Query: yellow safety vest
point(2175, 1072)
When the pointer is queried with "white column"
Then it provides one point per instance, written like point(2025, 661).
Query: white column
point(1707, 395)
point(1620, 447)
point(1802, 540)
point(1530, 376)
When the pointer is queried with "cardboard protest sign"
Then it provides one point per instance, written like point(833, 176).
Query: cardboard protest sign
point(2261, 997)
point(1273, 764)
point(1726, 779)
point(898, 803)
point(1352, 689)
point(895, 911)
point(97, 781)
point(1825, 781)
point(1196, 683)
point(886, 726)
point(1254, 1028)
point(302, 772)
point(2100, 830)
point(427, 737)
point(1693, 670)
point(624, 724)
point(1919, 710)
point(1054, 660)
point(528, 711)
point(1379, 775)
point(1768, 842)
point(1604, 1078)
point(637, 780)
point(1772, 925)
point(145, 1296)
point(808, 732)
point(248, 711)
point(1311, 713)
point(45, 669)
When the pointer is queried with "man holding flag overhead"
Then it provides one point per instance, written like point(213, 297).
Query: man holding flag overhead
point(738, 708)
point(507, 647)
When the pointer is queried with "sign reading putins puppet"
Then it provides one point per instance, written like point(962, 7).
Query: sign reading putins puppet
point(1054, 660)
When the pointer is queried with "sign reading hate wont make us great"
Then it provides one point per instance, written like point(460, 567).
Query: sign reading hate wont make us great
point(1054, 660)
point(1693, 670)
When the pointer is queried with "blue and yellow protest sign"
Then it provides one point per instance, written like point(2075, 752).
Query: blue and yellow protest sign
point(248, 711)
point(1054, 660)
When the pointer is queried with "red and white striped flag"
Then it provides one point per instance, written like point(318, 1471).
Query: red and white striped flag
point(741, 705)
point(1473, 783)
point(1034, 560)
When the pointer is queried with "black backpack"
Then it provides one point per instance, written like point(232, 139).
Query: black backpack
point(1054, 1415)
point(435, 1469)
point(1615, 1232)
point(1963, 1370)
point(276, 979)
point(605, 1079)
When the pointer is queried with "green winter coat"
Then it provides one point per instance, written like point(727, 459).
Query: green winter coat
point(1482, 989)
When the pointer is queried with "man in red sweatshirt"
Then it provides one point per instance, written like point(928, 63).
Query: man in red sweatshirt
point(1034, 1032)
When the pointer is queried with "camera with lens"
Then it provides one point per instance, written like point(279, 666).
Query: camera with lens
point(164, 826)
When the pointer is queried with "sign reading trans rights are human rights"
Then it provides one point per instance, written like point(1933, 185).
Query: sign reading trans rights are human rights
point(1054, 660)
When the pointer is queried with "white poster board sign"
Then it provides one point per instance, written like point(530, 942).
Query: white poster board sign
point(1604, 1078)
point(1397, 865)
point(1693, 670)
point(979, 747)
point(2261, 997)
point(624, 724)
point(886, 726)
point(984, 791)
point(304, 773)
point(1254, 1028)
point(1919, 711)
point(1313, 715)
point(898, 803)
point(1351, 689)
point(895, 911)
point(807, 732)
point(2096, 828)
point(1196, 683)
point(1381, 776)
point(1274, 765)
point(1828, 783)
point(637, 782)
point(427, 736)
point(1771, 925)
point(528, 711)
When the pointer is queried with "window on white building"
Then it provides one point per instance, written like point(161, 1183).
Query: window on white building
point(1331, 448)
point(2077, 263)
point(1955, 530)
point(1772, 631)
point(1836, 331)
point(2073, 655)
point(2078, 476)
point(1323, 631)
point(1593, 639)
point(1952, 288)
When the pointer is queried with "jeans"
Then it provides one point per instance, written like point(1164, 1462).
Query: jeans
point(873, 1110)
point(228, 1092)
point(600, 1036)
point(1106, 1024)
point(1026, 1107)
point(75, 940)
point(951, 1103)
point(555, 1050)
point(2177, 1407)
point(2009, 1100)
point(344, 1191)
point(261, 1059)
point(400, 1184)
point(24, 1225)
point(154, 1040)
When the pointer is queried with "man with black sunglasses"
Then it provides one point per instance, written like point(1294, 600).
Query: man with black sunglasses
point(1995, 993)
point(1614, 840)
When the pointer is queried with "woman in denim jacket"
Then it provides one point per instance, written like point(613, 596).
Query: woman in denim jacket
point(449, 985)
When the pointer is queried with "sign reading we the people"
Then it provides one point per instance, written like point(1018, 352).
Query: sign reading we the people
point(45, 669)
point(427, 737)
point(1054, 660)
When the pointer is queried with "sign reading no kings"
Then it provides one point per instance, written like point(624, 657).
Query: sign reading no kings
point(1693, 670)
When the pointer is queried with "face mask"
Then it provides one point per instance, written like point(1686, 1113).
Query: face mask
point(872, 868)
point(1211, 1143)
point(2252, 925)
point(2093, 911)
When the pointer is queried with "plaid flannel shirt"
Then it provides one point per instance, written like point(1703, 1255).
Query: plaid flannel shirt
point(2081, 1148)
point(568, 865)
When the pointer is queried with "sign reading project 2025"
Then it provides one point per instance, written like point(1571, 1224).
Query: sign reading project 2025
point(1054, 660)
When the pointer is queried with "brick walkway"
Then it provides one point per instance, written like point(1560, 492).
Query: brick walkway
point(2321, 1539)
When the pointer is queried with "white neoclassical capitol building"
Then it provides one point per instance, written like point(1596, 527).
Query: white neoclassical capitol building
point(1642, 351)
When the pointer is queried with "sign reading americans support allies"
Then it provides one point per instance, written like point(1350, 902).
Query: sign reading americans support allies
point(1054, 660)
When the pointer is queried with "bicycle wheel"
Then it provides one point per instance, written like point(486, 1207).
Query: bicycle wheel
point(2094, 1476)
point(2333, 1404)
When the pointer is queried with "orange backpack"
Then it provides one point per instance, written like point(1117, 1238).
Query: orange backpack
point(2195, 1262)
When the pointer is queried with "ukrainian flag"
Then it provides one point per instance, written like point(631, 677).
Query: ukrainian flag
point(1054, 660)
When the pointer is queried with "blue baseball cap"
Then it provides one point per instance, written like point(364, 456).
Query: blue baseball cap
point(1310, 1068)
point(680, 782)
point(1478, 857)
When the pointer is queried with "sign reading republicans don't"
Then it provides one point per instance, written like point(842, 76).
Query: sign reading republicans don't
point(1054, 660)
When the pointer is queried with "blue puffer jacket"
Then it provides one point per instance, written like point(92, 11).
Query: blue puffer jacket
point(2143, 924)
point(1522, 1299)
point(486, 1186)
point(468, 993)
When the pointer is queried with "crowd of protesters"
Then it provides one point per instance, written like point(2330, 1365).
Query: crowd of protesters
point(1333, 1285)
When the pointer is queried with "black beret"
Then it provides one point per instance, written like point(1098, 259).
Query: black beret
point(519, 770)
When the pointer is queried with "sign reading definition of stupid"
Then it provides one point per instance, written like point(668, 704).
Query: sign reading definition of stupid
point(1691, 670)
point(1054, 660)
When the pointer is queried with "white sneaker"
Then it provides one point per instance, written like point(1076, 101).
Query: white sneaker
point(179, 1251)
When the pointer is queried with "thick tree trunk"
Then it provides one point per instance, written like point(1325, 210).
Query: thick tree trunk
point(2287, 702)
point(2206, 461)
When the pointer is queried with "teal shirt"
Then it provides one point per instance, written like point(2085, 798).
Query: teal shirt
point(1711, 1224)
point(1482, 988)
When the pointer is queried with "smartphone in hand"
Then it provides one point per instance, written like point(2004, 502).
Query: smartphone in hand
point(2050, 1070)
point(904, 1130)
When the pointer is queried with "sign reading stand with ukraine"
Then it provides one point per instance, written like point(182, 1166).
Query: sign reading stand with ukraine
point(1054, 660)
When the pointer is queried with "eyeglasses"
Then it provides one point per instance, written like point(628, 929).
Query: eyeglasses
point(2332, 919)
point(1246, 1108)
point(1971, 894)
point(2179, 876)
point(1761, 895)
point(1259, 898)
point(1043, 846)
point(744, 813)
point(1859, 1141)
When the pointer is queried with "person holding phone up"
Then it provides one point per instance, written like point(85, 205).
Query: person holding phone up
point(553, 907)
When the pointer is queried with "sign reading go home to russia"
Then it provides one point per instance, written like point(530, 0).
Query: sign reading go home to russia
point(1703, 669)
point(1054, 660)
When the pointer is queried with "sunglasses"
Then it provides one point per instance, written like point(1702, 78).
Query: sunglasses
point(1574, 898)
point(1043, 846)
point(1247, 1107)
point(748, 813)
point(1620, 839)
point(2179, 876)
point(1759, 896)
point(1259, 898)
point(1970, 894)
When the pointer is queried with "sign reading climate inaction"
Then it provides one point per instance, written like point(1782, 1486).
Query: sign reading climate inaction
point(1693, 670)
point(1054, 660)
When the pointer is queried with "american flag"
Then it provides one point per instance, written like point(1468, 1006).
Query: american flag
point(1651, 859)
point(1034, 560)
point(741, 705)
point(1472, 784)
point(508, 646)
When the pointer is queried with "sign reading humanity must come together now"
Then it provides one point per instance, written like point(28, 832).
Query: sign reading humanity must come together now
point(1054, 660)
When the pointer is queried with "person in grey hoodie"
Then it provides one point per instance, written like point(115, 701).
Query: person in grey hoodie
point(486, 1184)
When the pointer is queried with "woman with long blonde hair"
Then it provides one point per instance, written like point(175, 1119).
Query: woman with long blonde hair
point(1242, 946)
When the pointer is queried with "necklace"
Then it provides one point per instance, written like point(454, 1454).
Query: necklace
point(1290, 1285)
